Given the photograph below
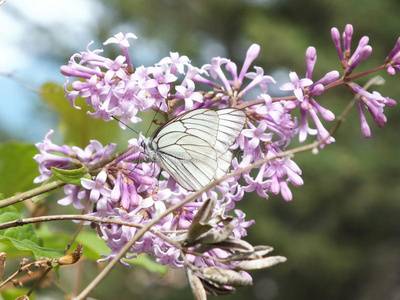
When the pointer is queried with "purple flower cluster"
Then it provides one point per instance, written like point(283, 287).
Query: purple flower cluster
point(373, 102)
point(130, 189)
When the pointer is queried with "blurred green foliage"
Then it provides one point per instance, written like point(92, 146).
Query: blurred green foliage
point(341, 231)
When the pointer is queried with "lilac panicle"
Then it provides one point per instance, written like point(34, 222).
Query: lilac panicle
point(304, 91)
point(130, 190)
point(133, 190)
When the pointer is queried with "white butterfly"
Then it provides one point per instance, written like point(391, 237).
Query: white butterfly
point(194, 147)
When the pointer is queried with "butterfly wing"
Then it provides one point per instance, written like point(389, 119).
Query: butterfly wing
point(231, 123)
point(194, 147)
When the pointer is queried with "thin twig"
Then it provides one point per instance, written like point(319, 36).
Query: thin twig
point(16, 79)
point(22, 222)
point(21, 269)
point(32, 193)
point(43, 275)
point(340, 81)
point(78, 230)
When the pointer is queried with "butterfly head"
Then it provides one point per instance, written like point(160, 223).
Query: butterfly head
point(148, 149)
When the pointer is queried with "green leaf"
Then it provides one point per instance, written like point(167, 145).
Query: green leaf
point(77, 126)
point(56, 268)
point(17, 167)
point(93, 245)
point(23, 238)
point(15, 292)
point(71, 176)
point(145, 261)
point(47, 235)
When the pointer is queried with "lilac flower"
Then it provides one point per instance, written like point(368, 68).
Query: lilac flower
point(240, 229)
point(189, 94)
point(216, 71)
point(65, 157)
point(258, 79)
point(97, 187)
point(122, 40)
point(259, 184)
point(362, 52)
point(277, 117)
point(347, 36)
point(176, 63)
point(282, 171)
point(74, 196)
point(257, 134)
point(335, 34)
point(296, 85)
point(169, 256)
point(251, 55)
point(311, 59)
point(375, 103)
point(359, 56)
point(322, 133)
point(305, 99)
point(365, 129)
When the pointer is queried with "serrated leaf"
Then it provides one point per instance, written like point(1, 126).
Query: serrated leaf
point(17, 167)
point(71, 176)
point(23, 238)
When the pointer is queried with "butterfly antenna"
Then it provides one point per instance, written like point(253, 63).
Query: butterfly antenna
point(155, 115)
point(133, 131)
point(125, 125)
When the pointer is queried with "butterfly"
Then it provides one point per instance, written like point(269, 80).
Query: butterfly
point(194, 147)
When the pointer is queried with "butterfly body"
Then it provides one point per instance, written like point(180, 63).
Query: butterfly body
point(194, 147)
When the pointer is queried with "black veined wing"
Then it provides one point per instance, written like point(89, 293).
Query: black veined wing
point(194, 147)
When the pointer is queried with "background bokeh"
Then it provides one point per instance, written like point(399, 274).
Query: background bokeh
point(341, 231)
